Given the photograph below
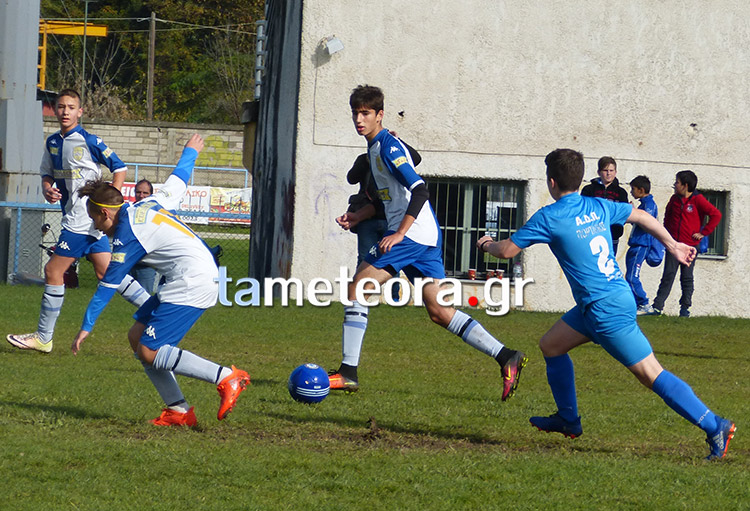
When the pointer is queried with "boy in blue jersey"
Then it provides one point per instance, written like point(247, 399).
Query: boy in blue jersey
point(149, 232)
point(640, 243)
point(412, 244)
point(577, 230)
point(72, 156)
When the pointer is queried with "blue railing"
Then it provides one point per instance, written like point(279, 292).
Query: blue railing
point(137, 166)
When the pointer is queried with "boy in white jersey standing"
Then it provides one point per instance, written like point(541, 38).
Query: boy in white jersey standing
point(71, 157)
point(577, 230)
point(412, 244)
point(149, 232)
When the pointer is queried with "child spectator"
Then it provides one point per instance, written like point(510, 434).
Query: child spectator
point(640, 243)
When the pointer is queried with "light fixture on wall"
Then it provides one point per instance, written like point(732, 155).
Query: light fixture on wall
point(333, 45)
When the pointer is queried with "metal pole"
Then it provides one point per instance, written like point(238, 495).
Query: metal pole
point(83, 64)
point(151, 52)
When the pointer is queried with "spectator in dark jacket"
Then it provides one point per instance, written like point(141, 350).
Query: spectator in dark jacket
point(607, 187)
point(683, 218)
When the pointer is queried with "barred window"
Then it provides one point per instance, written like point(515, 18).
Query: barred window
point(467, 210)
point(717, 241)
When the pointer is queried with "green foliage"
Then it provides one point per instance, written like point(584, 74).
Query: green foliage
point(201, 74)
point(75, 431)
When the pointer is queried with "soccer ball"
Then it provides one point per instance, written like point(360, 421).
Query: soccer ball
point(308, 383)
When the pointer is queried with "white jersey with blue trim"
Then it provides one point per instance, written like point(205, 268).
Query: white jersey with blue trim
point(577, 231)
point(393, 171)
point(150, 233)
point(71, 160)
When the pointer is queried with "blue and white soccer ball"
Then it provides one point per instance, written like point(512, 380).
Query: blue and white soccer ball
point(309, 383)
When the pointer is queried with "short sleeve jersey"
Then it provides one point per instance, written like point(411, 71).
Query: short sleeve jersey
point(71, 160)
point(577, 230)
point(150, 233)
point(394, 175)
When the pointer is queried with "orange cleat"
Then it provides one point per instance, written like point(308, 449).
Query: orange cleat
point(338, 381)
point(171, 417)
point(229, 389)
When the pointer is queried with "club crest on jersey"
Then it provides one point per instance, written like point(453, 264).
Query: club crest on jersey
point(384, 194)
point(118, 257)
point(689, 208)
point(586, 219)
point(379, 164)
point(107, 152)
point(78, 153)
point(54, 150)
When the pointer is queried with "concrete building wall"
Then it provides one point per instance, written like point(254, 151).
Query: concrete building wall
point(486, 88)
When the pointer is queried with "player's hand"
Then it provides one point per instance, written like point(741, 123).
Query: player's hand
point(347, 220)
point(698, 236)
point(196, 142)
point(52, 194)
point(483, 242)
point(685, 254)
point(76, 347)
point(387, 243)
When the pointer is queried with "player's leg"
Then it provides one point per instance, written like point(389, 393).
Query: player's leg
point(475, 335)
point(681, 398)
point(129, 288)
point(671, 265)
point(69, 247)
point(157, 347)
point(687, 283)
point(354, 328)
point(565, 334)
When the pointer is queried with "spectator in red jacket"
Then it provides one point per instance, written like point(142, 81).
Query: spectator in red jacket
point(683, 218)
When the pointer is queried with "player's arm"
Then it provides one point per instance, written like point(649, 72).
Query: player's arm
point(122, 262)
point(503, 249)
point(171, 192)
point(102, 154)
point(47, 170)
point(352, 218)
point(683, 253)
point(118, 178)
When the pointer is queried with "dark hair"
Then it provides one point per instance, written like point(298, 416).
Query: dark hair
point(69, 92)
point(150, 186)
point(604, 161)
point(367, 96)
point(566, 167)
point(101, 192)
point(641, 182)
point(688, 177)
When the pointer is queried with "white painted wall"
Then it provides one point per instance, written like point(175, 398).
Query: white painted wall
point(488, 87)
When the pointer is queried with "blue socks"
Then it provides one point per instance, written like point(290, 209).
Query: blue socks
point(561, 378)
point(680, 397)
point(474, 334)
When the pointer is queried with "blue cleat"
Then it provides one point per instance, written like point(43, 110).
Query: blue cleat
point(719, 442)
point(555, 423)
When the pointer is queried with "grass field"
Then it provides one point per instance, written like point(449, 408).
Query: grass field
point(75, 435)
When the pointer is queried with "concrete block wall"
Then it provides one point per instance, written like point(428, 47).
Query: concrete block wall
point(162, 143)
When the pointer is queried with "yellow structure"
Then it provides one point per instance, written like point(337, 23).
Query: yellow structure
point(62, 28)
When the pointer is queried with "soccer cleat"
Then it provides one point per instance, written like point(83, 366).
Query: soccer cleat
point(645, 310)
point(171, 417)
point(719, 443)
point(555, 423)
point(654, 312)
point(29, 342)
point(684, 312)
point(512, 373)
point(339, 382)
point(229, 389)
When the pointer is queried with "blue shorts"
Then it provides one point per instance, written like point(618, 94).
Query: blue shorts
point(166, 323)
point(75, 245)
point(611, 323)
point(415, 259)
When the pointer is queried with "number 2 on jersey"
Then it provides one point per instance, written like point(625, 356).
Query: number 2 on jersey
point(600, 247)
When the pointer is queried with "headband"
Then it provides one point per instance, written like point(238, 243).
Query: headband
point(115, 206)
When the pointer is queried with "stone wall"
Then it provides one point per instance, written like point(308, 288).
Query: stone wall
point(162, 143)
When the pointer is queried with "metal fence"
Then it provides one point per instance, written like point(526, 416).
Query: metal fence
point(33, 229)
